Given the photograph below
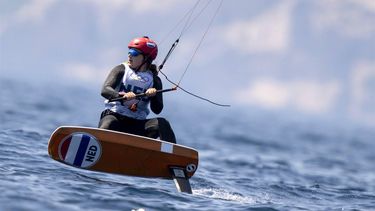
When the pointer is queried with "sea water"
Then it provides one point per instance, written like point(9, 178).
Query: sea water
point(249, 160)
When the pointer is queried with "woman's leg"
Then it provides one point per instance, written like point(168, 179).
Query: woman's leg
point(109, 121)
point(160, 127)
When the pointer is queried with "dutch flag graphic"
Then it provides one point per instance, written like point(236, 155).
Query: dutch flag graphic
point(80, 150)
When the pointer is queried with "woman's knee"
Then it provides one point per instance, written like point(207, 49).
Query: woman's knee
point(163, 123)
point(152, 128)
point(160, 127)
point(157, 124)
point(166, 131)
point(109, 122)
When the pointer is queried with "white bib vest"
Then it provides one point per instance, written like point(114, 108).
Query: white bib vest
point(137, 82)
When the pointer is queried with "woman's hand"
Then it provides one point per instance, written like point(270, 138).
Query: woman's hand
point(127, 95)
point(150, 92)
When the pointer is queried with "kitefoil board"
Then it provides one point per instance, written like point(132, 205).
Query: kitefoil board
point(121, 153)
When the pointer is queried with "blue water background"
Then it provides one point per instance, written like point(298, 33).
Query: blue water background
point(249, 159)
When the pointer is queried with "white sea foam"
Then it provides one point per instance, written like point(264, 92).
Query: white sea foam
point(217, 193)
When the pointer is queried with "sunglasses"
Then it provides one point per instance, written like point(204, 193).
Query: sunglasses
point(133, 52)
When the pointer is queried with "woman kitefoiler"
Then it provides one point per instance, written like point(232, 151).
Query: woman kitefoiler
point(137, 75)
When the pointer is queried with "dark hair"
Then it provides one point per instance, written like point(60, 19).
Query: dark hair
point(153, 68)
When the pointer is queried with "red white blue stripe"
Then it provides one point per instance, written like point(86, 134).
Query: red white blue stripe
point(74, 150)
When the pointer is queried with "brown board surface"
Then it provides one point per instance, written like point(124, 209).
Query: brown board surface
point(120, 153)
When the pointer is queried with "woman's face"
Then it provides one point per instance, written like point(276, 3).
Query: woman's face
point(135, 58)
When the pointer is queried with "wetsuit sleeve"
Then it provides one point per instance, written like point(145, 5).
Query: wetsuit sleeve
point(112, 81)
point(157, 100)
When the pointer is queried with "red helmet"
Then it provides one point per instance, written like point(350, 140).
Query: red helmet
point(146, 45)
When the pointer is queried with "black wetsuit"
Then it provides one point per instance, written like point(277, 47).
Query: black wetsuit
point(153, 128)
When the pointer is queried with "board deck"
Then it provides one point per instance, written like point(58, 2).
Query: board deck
point(120, 153)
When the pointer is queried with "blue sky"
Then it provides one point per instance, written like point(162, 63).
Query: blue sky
point(312, 57)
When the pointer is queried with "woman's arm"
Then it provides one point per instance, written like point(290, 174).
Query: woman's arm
point(157, 100)
point(113, 80)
